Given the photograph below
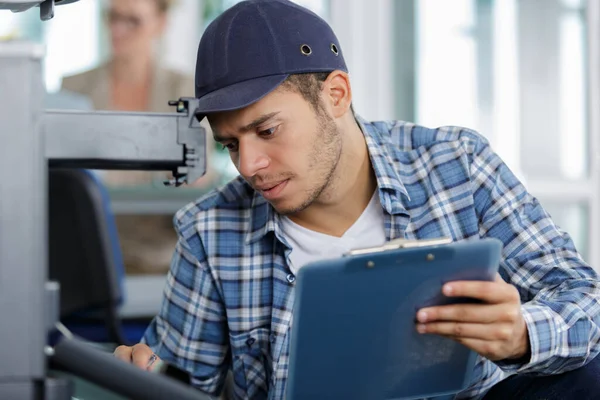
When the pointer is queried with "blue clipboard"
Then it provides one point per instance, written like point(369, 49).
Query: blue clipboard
point(353, 335)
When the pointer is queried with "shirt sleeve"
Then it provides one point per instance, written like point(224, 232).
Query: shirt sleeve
point(559, 292)
point(191, 330)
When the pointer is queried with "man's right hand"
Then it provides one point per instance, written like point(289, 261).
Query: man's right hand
point(140, 355)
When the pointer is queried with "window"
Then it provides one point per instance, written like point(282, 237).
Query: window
point(521, 72)
point(516, 72)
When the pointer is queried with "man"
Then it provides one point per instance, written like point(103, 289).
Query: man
point(316, 180)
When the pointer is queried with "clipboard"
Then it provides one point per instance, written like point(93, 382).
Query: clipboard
point(354, 336)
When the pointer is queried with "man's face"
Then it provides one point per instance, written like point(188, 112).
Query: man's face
point(283, 147)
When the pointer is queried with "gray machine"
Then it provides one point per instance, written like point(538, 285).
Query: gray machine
point(31, 140)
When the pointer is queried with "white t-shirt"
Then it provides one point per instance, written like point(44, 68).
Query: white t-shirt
point(308, 245)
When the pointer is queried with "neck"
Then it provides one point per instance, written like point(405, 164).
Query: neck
point(351, 188)
point(130, 70)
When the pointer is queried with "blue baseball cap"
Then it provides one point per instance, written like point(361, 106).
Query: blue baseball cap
point(252, 47)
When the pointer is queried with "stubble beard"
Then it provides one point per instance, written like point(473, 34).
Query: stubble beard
point(324, 159)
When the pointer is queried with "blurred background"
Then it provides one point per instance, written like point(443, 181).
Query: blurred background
point(517, 71)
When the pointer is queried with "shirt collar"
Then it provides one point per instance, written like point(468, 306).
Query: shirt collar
point(264, 218)
point(385, 166)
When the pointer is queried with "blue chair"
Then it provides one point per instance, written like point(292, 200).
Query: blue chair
point(85, 257)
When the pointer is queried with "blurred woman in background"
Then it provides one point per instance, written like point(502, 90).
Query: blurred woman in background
point(133, 79)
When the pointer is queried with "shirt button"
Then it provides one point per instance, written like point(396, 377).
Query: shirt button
point(250, 342)
point(291, 278)
point(272, 338)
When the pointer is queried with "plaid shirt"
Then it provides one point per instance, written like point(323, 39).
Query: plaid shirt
point(229, 296)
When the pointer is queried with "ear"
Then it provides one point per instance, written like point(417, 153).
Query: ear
point(338, 92)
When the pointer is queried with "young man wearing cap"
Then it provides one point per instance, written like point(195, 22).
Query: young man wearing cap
point(315, 181)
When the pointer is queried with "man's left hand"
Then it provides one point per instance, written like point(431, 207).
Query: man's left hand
point(495, 329)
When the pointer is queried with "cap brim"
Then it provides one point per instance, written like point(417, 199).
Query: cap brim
point(238, 95)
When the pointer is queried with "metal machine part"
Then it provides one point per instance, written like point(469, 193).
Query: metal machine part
point(46, 6)
point(23, 222)
point(119, 140)
point(32, 139)
point(122, 378)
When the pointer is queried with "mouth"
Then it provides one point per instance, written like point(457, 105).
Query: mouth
point(272, 191)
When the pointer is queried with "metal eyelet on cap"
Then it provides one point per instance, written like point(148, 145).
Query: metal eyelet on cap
point(306, 50)
point(334, 49)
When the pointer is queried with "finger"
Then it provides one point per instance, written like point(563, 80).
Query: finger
point(491, 350)
point(479, 313)
point(489, 292)
point(490, 332)
point(123, 353)
point(141, 354)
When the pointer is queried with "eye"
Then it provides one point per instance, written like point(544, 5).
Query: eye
point(268, 132)
point(232, 147)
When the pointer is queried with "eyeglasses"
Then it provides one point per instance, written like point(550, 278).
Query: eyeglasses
point(130, 22)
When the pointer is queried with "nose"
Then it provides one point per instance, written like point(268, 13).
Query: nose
point(252, 158)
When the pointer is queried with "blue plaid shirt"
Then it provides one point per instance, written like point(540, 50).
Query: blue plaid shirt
point(229, 296)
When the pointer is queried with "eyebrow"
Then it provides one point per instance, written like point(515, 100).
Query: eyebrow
point(257, 122)
point(250, 127)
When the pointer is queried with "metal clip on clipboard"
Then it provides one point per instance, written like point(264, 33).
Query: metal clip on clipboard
point(400, 243)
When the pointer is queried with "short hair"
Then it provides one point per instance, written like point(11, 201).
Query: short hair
point(309, 86)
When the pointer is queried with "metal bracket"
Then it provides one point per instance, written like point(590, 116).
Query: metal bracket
point(192, 137)
point(47, 10)
point(173, 142)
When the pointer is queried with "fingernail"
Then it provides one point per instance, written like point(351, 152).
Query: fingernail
point(448, 290)
point(421, 328)
point(151, 360)
point(422, 316)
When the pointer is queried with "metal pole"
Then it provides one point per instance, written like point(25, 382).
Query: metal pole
point(23, 241)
